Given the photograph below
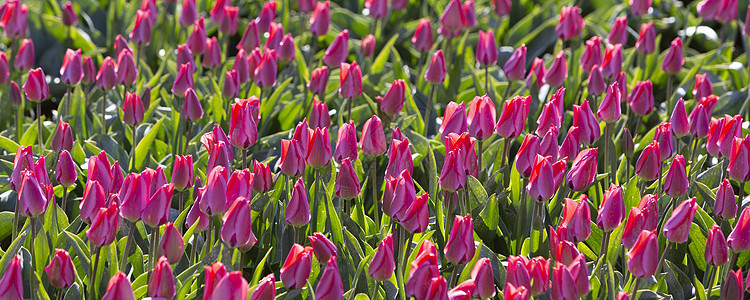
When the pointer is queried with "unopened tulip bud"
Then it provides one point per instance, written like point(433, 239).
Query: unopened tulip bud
point(382, 264)
point(296, 268)
point(435, 73)
point(677, 227)
point(673, 61)
point(487, 54)
point(423, 38)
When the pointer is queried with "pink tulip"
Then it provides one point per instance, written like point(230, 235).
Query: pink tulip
point(739, 160)
point(321, 18)
point(298, 210)
point(237, 229)
point(633, 228)
point(453, 175)
point(436, 71)
point(644, 255)
point(231, 286)
point(584, 119)
point(322, 247)
point(612, 63)
point(739, 239)
point(347, 184)
point(350, 78)
point(197, 39)
point(673, 61)
point(558, 71)
point(677, 227)
point(576, 221)
point(393, 101)
point(36, 87)
point(612, 209)
point(512, 120)
point(663, 136)
point(213, 274)
point(69, 15)
point(592, 54)
point(676, 181)
point(103, 227)
point(619, 32)
point(571, 23)
point(638, 8)
point(382, 264)
point(372, 141)
point(141, 33)
point(71, 71)
point(171, 244)
point(725, 206)
point(453, 19)
point(265, 72)
point(487, 52)
point(481, 117)
point(119, 288)
point(296, 268)
point(266, 288)
point(728, 13)
point(536, 73)
point(646, 43)
point(346, 143)
point(423, 38)
point(161, 282)
point(679, 120)
point(24, 59)
point(377, 8)
point(717, 252)
point(338, 50)
point(318, 80)
point(454, 120)
point(648, 166)
point(416, 216)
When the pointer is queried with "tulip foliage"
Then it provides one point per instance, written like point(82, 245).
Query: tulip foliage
point(374, 149)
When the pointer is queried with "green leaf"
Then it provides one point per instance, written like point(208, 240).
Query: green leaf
point(8, 144)
point(259, 267)
point(144, 145)
point(13, 249)
point(632, 195)
point(379, 63)
point(81, 250)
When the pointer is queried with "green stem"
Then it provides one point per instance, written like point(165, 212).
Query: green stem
point(374, 183)
point(669, 94)
point(39, 133)
point(487, 80)
point(607, 166)
point(32, 283)
point(454, 275)
point(194, 249)
point(427, 120)
point(730, 265)
point(635, 289)
point(521, 216)
point(64, 198)
point(128, 243)
point(374, 295)
point(15, 219)
point(663, 256)
point(711, 277)
point(479, 160)
point(92, 283)
point(133, 166)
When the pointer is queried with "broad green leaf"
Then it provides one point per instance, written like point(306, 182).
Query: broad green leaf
point(379, 63)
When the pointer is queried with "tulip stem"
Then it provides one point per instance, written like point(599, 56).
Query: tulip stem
point(349, 109)
point(487, 80)
point(607, 166)
point(15, 220)
point(427, 110)
point(506, 93)
point(128, 243)
point(64, 198)
point(454, 275)
point(375, 294)
point(104, 113)
point(39, 132)
point(94, 268)
point(730, 265)
point(602, 257)
point(711, 278)
point(194, 249)
point(67, 101)
point(635, 288)
point(154, 244)
point(669, 95)
point(663, 256)
point(33, 258)
point(374, 182)
point(244, 158)
point(521, 215)
point(399, 272)
point(479, 160)
point(316, 201)
point(132, 166)
point(741, 194)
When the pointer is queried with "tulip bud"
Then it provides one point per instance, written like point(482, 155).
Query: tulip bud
point(641, 98)
point(484, 282)
point(512, 120)
point(213, 274)
point(292, 157)
point(583, 170)
point(393, 101)
point(548, 146)
point(263, 179)
point(577, 218)
point(197, 39)
point(104, 225)
point(93, 199)
point(487, 54)
point(69, 15)
point(592, 54)
point(435, 73)
point(71, 71)
point(382, 264)
point(171, 244)
point(462, 291)
point(673, 61)
point(329, 283)
point(611, 210)
point(638, 8)
point(676, 181)
point(287, 49)
point(571, 23)
point(481, 118)
point(646, 43)
point(318, 80)
point(558, 71)
point(368, 45)
point(725, 206)
point(512, 292)
point(132, 110)
point(237, 230)
point(347, 183)
point(119, 288)
point(453, 19)
point(63, 138)
point(612, 64)
point(36, 87)
point(677, 227)
point(251, 38)
point(541, 180)
point(65, 172)
point(156, 211)
point(619, 32)
point(515, 67)
point(230, 21)
point(536, 74)
point(663, 136)
point(346, 142)
point(709, 9)
point(644, 255)
point(728, 13)
point(141, 33)
point(184, 79)
point(699, 120)
point(321, 18)
point(679, 120)
point(584, 119)
point(633, 228)
point(275, 35)
point(609, 110)
point(322, 247)
point(319, 149)
point(563, 283)
point(161, 282)
point(265, 72)
point(338, 50)
point(423, 38)
point(351, 80)
point(107, 76)
point(192, 106)
point(60, 271)
point(453, 175)
point(266, 288)
point(460, 246)
point(648, 166)
point(420, 279)
point(739, 160)
point(746, 31)
point(596, 85)
point(732, 286)
point(12, 279)
point(24, 59)
point(739, 239)
point(717, 253)
point(242, 127)
point(212, 55)
point(298, 210)
point(213, 198)
point(296, 268)
point(189, 13)
point(373, 137)
point(399, 158)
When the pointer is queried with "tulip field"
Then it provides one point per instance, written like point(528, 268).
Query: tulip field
point(374, 149)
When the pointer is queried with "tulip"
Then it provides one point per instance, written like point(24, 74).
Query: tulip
point(71, 71)
point(453, 174)
point(466, 153)
point(338, 50)
point(709, 9)
point(673, 61)
point(423, 38)
point(242, 68)
point(346, 143)
point(319, 149)
point(402, 193)
point(703, 87)
point(438, 289)
point(251, 38)
point(580, 275)
point(212, 55)
point(267, 16)
point(644, 255)
point(329, 284)
point(739, 239)
point(512, 120)
point(265, 72)
point(550, 118)
point(512, 292)
point(286, 48)
point(649, 207)
point(739, 160)
point(93, 199)
point(36, 87)
point(416, 216)
point(60, 271)
point(11, 283)
point(487, 55)
point(728, 13)
point(612, 63)
point(321, 18)
point(548, 146)
point(298, 210)
point(237, 229)
point(399, 158)
point(453, 19)
point(171, 244)
point(65, 172)
point(5, 68)
point(638, 8)
point(266, 288)
point(24, 59)
point(104, 226)
point(677, 227)
point(378, 9)
point(262, 179)
point(699, 120)
point(132, 110)
point(322, 247)
point(126, 69)
point(714, 136)
point(213, 274)
point(296, 268)
point(372, 141)
point(558, 71)
point(577, 219)
point(663, 135)
point(214, 193)
point(611, 210)
point(646, 43)
point(679, 120)
point(633, 227)
point(107, 76)
point(230, 21)
point(569, 146)
point(435, 73)
point(641, 99)
point(184, 79)
point(156, 211)
point(275, 35)
point(583, 170)
point(454, 120)
point(526, 155)
point(292, 157)
point(242, 127)
point(462, 291)
point(619, 32)
point(732, 286)
point(382, 265)
point(347, 183)
point(571, 24)
point(195, 215)
point(541, 180)
point(63, 138)
point(563, 283)
point(537, 71)
point(14, 19)
point(460, 247)
point(609, 110)
point(592, 54)
point(393, 101)
point(192, 106)
point(119, 288)
point(648, 166)
point(230, 286)
point(481, 117)
point(676, 182)
point(69, 15)
point(732, 129)
point(197, 39)
point(420, 279)
point(141, 33)
point(318, 80)
point(189, 13)
point(161, 282)
point(470, 14)
point(515, 67)
point(584, 119)
point(725, 206)
point(717, 253)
